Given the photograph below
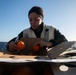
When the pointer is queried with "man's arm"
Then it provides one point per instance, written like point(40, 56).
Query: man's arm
point(58, 38)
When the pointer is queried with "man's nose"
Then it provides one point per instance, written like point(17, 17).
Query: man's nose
point(33, 22)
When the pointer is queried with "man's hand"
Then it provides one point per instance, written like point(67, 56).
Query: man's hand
point(43, 44)
point(13, 46)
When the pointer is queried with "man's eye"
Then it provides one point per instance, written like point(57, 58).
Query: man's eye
point(33, 19)
point(36, 19)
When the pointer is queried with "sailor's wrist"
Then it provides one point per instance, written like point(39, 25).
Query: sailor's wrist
point(49, 44)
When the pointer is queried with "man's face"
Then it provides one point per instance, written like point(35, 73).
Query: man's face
point(35, 20)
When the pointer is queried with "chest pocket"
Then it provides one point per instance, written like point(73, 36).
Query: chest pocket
point(49, 33)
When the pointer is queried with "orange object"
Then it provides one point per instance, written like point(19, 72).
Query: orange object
point(36, 48)
point(21, 45)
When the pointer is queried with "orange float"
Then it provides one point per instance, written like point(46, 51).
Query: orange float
point(21, 45)
point(36, 48)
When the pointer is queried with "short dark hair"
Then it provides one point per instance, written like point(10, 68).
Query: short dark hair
point(38, 10)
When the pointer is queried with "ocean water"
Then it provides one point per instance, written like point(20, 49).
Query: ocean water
point(3, 46)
